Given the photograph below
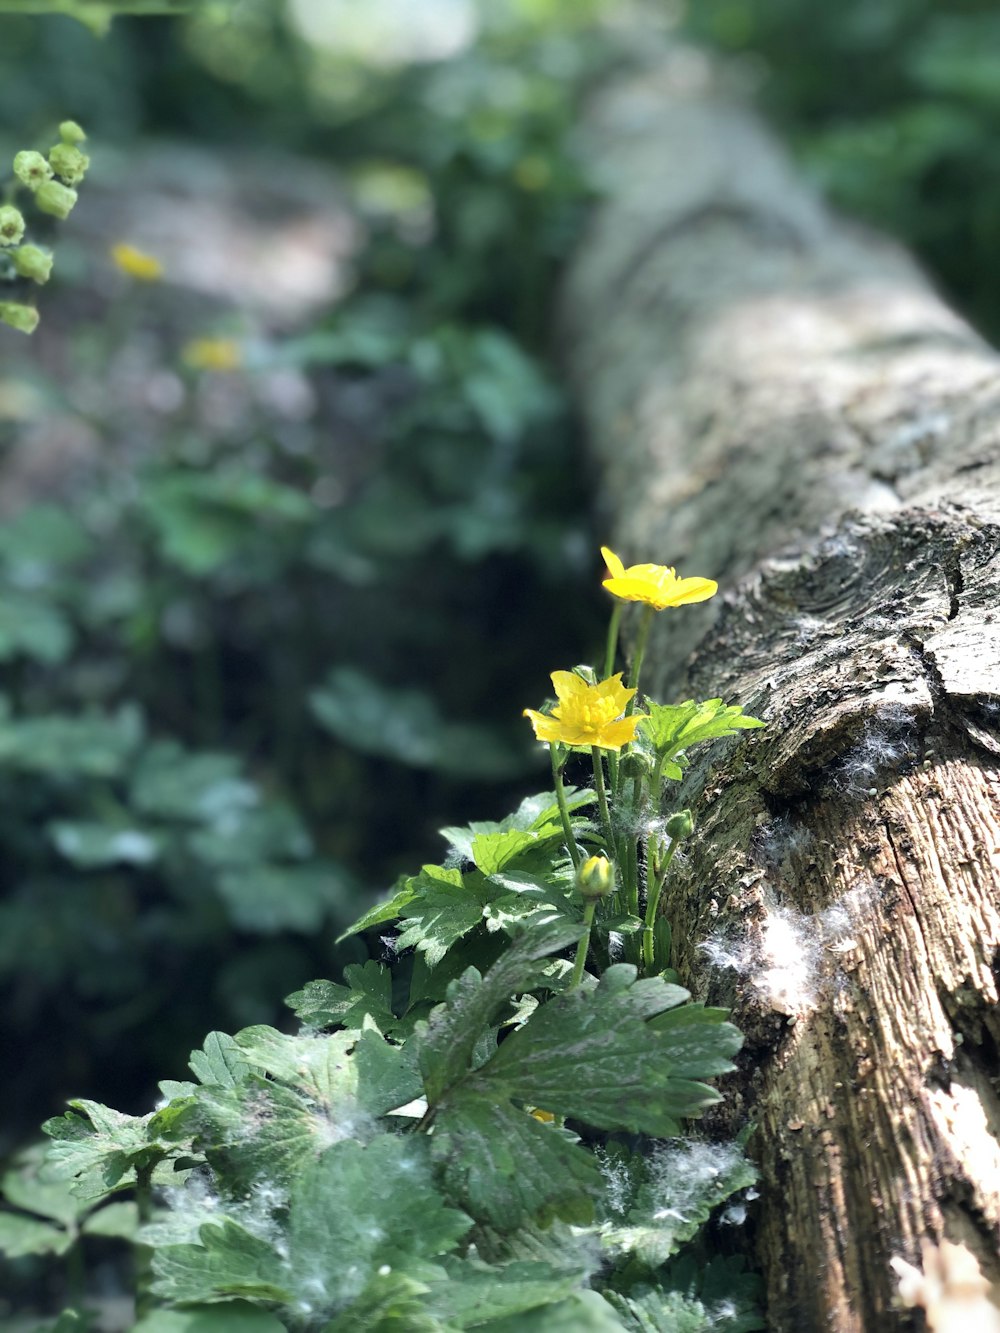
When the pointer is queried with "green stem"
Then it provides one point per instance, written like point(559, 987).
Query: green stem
point(653, 902)
point(574, 851)
point(584, 945)
point(142, 1254)
point(602, 799)
point(640, 653)
point(612, 649)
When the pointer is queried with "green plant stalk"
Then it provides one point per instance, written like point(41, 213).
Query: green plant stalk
point(574, 851)
point(602, 799)
point(609, 666)
point(612, 648)
point(142, 1254)
point(584, 946)
point(653, 902)
point(640, 652)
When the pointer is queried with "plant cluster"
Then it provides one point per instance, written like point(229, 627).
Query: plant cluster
point(484, 1127)
point(51, 183)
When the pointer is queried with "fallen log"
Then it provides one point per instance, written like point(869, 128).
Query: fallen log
point(777, 398)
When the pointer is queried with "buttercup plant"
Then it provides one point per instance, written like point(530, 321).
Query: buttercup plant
point(51, 182)
point(464, 1132)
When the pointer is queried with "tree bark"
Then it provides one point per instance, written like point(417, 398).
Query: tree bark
point(778, 399)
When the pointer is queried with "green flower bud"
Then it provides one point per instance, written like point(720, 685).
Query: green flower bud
point(637, 764)
point(680, 825)
point(22, 317)
point(11, 225)
point(595, 878)
point(70, 132)
point(32, 262)
point(31, 169)
point(68, 163)
point(55, 199)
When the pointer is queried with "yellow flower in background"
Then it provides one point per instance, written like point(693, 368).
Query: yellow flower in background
point(656, 585)
point(213, 354)
point(136, 264)
point(588, 715)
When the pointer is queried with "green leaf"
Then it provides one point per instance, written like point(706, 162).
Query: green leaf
point(348, 1217)
point(319, 1067)
point(476, 1294)
point(592, 1054)
point(368, 993)
point(220, 1062)
point(674, 1188)
point(120, 1220)
point(385, 912)
point(229, 1317)
point(100, 1149)
point(503, 1166)
point(390, 1303)
point(388, 1076)
point(227, 1262)
point(671, 728)
point(40, 538)
point(32, 627)
point(21, 1235)
point(204, 520)
point(537, 814)
point(172, 783)
point(268, 899)
point(447, 1042)
point(443, 912)
point(583, 1312)
point(90, 845)
point(407, 726)
point(24, 1187)
point(693, 1299)
point(92, 745)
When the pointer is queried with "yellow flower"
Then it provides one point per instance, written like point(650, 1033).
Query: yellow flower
point(135, 264)
point(656, 585)
point(546, 1117)
point(213, 354)
point(586, 715)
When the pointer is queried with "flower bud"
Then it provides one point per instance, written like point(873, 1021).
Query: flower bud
point(680, 825)
point(11, 225)
point(31, 169)
point(68, 163)
point(32, 262)
point(71, 133)
point(55, 199)
point(637, 764)
point(595, 878)
point(22, 317)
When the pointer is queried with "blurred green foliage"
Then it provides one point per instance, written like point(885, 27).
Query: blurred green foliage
point(893, 106)
point(244, 670)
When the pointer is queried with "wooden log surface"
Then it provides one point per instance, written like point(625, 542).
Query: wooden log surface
point(778, 398)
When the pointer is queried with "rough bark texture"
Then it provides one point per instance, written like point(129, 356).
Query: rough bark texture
point(779, 400)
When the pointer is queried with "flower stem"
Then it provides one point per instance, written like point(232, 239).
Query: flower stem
point(574, 850)
point(640, 653)
point(583, 946)
point(612, 649)
point(602, 799)
point(653, 902)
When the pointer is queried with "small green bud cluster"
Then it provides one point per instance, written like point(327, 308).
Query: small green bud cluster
point(52, 181)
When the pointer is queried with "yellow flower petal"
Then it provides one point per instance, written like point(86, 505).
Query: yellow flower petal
point(135, 263)
point(221, 354)
point(586, 715)
point(615, 567)
point(657, 586)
